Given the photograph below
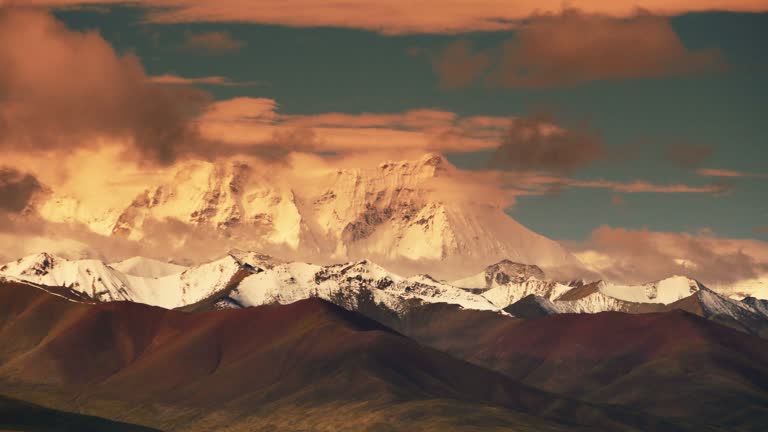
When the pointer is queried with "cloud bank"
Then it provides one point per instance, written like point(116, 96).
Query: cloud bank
point(75, 89)
point(401, 16)
point(641, 255)
point(574, 47)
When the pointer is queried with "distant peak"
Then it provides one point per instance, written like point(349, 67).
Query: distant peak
point(507, 271)
point(436, 160)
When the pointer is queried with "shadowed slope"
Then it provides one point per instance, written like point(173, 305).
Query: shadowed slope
point(260, 368)
point(22, 416)
point(671, 364)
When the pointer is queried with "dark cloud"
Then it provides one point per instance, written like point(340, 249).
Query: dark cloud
point(570, 48)
point(213, 42)
point(537, 143)
point(61, 89)
point(688, 156)
point(16, 189)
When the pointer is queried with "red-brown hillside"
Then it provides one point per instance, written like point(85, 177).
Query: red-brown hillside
point(178, 370)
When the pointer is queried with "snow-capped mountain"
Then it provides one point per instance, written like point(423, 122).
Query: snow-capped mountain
point(349, 285)
point(147, 267)
point(604, 296)
point(389, 213)
point(502, 273)
point(759, 305)
point(96, 281)
point(243, 279)
point(240, 279)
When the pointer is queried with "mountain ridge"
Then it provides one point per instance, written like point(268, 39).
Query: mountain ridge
point(192, 371)
point(243, 279)
point(389, 213)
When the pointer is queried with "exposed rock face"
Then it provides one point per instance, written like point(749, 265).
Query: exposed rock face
point(389, 213)
point(506, 271)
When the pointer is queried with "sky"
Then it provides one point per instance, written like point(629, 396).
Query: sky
point(606, 119)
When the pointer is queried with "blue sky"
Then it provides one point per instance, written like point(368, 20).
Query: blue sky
point(319, 70)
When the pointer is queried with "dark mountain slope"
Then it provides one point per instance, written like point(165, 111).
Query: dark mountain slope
point(307, 365)
point(22, 416)
point(671, 364)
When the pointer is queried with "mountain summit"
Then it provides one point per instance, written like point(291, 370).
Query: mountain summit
point(399, 213)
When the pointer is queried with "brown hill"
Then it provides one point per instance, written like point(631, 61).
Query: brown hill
point(671, 364)
point(305, 366)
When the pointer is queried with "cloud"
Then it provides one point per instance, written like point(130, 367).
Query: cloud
point(170, 79)
point(639, 186)
point(16, 189)
point(688, 156)
point(245, 123)
point(62, 89)
point(636, 256)
point(532, 183)
point(213, 42)
point(457, 66)
point(535, 143)
point(402, 16)
point(574, 47)
point(714, 172)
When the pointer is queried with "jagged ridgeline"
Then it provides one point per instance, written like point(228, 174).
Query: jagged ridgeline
point(242, 279)
point(401, 214)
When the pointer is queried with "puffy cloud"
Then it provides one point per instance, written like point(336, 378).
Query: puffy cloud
point(401, 16)
point(636, 256)
point(572, 47)
point(62, 89)
point(535, 143)
point(16, 189)
point(217, 42)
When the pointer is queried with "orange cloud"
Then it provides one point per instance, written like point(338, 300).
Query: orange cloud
point(714, 172)
point(213, 42)
point(404, 16)
point(574, 47)
point(637, 256)
point(171, 79)
point(249, 122)
point(63, 89)
point(646, 187)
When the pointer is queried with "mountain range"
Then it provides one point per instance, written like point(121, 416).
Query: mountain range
point(307, 365)
point(242, 279)
point(250, 342)
point(391, 320)
point(398, 213)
